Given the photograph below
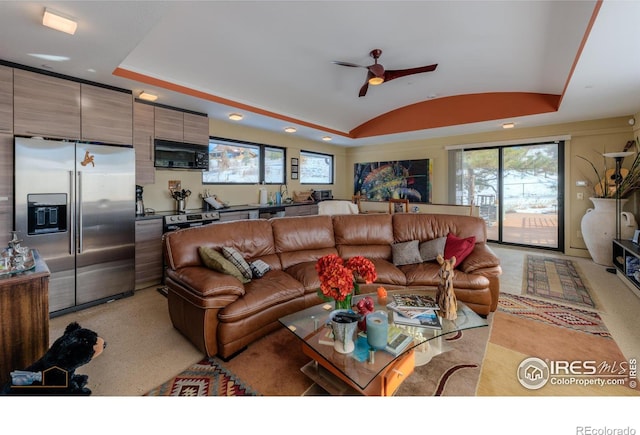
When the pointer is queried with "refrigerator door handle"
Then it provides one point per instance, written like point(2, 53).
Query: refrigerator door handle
point(72, 216)
point(79, 205)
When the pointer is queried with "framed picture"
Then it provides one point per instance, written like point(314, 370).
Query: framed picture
point(294, 175)
point(636, 235)
point(294, 161)
point(406, 179)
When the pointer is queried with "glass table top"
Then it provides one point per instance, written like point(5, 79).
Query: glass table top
point(363, 364)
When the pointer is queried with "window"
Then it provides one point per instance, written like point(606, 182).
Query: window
point(236, 162)
point(316, 168)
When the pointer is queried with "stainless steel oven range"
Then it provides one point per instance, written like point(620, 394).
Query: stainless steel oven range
point(188, 220)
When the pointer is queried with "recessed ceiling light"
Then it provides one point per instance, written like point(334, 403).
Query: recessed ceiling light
point(326, 138)
point(290, 129)
point(147, 96)
point(508, 125)
point(236, 117)
point(51, 57)
point(59, 21)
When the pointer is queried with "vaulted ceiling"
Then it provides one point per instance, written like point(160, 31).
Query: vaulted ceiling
point(527, 62)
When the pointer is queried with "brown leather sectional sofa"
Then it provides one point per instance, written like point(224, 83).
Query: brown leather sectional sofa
point(221, 316)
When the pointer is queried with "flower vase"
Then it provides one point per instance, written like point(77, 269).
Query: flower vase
point(598, 228)
point(344, 304)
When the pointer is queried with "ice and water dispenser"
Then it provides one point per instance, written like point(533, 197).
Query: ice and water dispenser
point(46, 213)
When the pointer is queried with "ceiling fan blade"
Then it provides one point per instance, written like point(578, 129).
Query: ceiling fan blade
point(365, 87)
point(394, 74)
point(353, 65)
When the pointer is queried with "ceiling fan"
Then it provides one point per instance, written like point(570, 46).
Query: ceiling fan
point(376, 74)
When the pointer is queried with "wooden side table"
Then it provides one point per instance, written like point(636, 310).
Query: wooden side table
point(24, 318)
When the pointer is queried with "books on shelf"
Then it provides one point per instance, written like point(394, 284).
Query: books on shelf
point(415, 301)
point(428, 319)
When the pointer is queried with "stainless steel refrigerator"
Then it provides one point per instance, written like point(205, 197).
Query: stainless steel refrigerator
point(75, 203)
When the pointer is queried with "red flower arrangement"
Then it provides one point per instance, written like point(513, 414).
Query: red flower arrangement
point(338, 279)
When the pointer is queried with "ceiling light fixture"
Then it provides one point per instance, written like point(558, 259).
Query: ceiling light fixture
point(508, 125)
point(147, 96)
point(236, 117)
point(326, 138)
point(374, 81)
point(290, 129)
point(59, 21)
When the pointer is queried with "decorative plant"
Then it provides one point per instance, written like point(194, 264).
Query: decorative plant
point(605, 185)
point(338, 278)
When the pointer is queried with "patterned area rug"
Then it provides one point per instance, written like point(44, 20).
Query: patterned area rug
point(553, 314)
point(557, 279)
point(206, 378)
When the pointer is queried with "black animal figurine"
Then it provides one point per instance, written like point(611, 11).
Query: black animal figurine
point(54, 373)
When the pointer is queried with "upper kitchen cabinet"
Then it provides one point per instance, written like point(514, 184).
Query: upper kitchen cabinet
point(6, 99)
point(106, 115)
point(143, 121)
point(169, 124)
point(45, 106)
point(196, 129)
point(181, 126)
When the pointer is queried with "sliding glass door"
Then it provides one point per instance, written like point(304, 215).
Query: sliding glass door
point(517, 188)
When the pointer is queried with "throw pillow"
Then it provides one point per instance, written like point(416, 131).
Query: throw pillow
point(458, 247)
point(259, 268)
point(406, 253)
point(238, 260)
point(216, 261)
point(430, 249)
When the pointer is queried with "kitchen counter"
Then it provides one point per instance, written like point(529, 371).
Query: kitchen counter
point(234, 208)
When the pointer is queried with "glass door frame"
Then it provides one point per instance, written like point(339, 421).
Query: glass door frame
point(500, 186)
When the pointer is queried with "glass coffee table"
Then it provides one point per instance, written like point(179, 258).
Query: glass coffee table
point(364, 371)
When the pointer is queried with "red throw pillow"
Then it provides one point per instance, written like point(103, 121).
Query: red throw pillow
point(460, 248)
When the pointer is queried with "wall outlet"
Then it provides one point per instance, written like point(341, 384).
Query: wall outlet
point(580, 195)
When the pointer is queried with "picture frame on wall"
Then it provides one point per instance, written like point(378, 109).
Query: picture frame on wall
point(294, 161)
point(294, 175)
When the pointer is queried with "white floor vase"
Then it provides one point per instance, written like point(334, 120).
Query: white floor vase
point(598, 228)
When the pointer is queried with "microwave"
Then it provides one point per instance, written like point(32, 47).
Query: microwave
point(322, 195)
point(179, 155)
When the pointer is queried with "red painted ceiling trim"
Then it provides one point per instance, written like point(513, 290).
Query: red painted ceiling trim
point(459, 109)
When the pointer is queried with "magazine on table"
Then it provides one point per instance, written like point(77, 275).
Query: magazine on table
point(397, 340)
point(414, 301)
point(409, 312)
point(428, 319)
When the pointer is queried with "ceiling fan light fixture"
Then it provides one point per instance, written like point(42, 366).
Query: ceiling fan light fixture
point(374, 81)
point(326, 138)
point(236, 117)
point(290, 129)
point(59, 21)
point(147, 96)
point(508, 125)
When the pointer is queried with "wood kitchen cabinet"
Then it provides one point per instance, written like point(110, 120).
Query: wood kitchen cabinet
point(45, 106)
point(24, 318)
point(6, 99)
point(196, 129)
point(181, 126)
point(6, 186)
point(106, 115)
point(169, 124)
point(143, 135)
point(148, 252)
point(301, 210)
